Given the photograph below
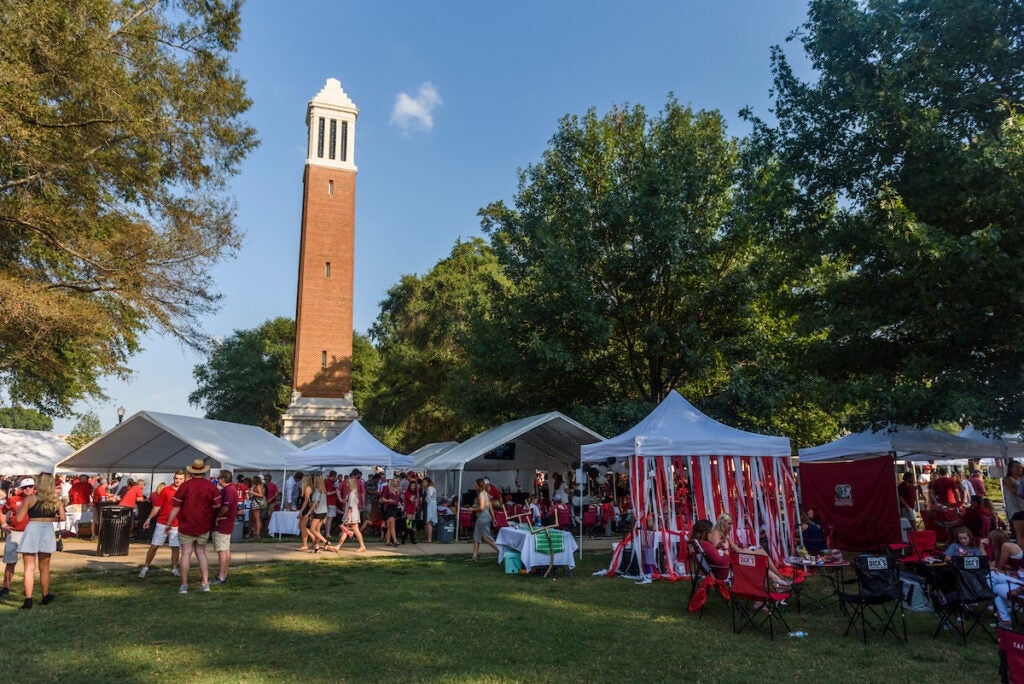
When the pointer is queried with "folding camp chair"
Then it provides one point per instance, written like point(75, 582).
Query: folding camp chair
point(922, 546)
point(754, 600)
point(702, 576)
point(500, 518)
point(966, 608)
point(549, 543)
point(465, 523)
point(878, 600)
point(1011, 656)
point(590, 522)
point(563, 517)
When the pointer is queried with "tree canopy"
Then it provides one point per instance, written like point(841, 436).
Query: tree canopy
point(17, 418)
point(898, 247)
point(119, 129)
point(247, 377)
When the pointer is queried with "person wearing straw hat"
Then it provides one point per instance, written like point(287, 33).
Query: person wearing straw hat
point(195, 506)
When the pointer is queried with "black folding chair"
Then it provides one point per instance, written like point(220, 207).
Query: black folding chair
point(966, 608)
point(878, 600)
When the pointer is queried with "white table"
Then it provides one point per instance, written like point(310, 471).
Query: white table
point(283, 522)
point(523, 542)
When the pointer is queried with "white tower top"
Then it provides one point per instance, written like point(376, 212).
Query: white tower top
point(331, 124)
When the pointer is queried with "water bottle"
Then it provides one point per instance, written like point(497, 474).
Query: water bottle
point(799, 635)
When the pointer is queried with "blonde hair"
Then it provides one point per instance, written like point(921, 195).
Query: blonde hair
point(46, 492)
point(723, 520)
point(318, 483)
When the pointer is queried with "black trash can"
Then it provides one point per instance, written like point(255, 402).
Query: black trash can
point(142, 534)
point(115, 527)
point(446, 528)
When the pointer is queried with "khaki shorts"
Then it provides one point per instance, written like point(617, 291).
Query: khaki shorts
point(186, 539)
point(221, 541)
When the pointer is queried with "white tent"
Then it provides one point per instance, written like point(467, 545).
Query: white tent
point(353, 447)
point(907, 443)
point(676, 428)
point(1010, 446)
point(164, 442)
point(27, 452)
point(741, 473)
point(422, 457)
point(550, 440)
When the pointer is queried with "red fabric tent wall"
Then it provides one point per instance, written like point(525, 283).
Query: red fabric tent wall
point(858, 497)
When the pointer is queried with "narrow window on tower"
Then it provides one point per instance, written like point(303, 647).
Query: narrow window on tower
point(334, 138)
point(323, 359)
point(344, 141)
point(327, 269)
point(330, 187)
point(320, 139)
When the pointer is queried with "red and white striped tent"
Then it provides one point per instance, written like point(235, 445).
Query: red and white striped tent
point(684, 466)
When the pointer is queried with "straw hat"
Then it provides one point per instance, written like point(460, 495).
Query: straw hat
point(197, 467)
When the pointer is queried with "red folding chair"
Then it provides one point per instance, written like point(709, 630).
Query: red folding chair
point(754, 600)
point(922, 546)
point(1011, 656)
point(590, 522)
point(563, 517)
point(500, 518)
point(465, 523)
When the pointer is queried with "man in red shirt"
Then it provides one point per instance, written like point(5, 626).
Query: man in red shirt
point(134, 494)
point(944, 489)
point(196, 502)
point(99, 495)
point(13, 529)
point(162, 512)
point(225, 525)
point(81, 492)
point(272, 492)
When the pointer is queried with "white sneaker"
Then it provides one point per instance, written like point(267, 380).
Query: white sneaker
point(142, 572)
point(175, 572)
point(204, 587)
point(183, 589)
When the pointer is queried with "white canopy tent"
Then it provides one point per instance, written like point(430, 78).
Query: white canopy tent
point(354, 447)
point(902, 441)
point(744, 474)
point(1010, 446)
point(422, 457)
point(27, 452)
point(162, 442)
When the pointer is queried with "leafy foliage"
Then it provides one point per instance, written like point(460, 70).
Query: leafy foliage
point(899, 248)
point(86, 429)
point(120, 129)
point(425, 390)
point(18, 418)
point(247, 377)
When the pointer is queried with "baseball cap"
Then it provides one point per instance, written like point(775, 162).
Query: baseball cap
point(26, 482)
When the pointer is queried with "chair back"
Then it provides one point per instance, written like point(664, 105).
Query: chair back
point(500, 518)
point(972, 578)
point(465, 518)
point(590, 516)
point(699, 568)
point(563, 516)
point(922, 541)
point(749, 575)
point(879, 577)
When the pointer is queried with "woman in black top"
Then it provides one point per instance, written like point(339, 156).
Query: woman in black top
point(42, 508)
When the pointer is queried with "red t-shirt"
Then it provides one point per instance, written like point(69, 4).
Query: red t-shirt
point(271, 490)
point(907, 492)
point(243, 491)
point(199, 500)
point(412, 500)
point(132, 496)
point(229, 498)
point(163, 500)
point(10, 509)
point(80, 493)
point(944, 489)
point(99, 493)
point(332, 492)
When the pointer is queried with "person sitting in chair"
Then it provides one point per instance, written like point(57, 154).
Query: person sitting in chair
point(720, 537)
point(813, 535)
point(716, 560)
point(965, 544)
point(1007, 559)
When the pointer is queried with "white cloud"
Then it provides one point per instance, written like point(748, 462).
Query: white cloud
point(416, 113)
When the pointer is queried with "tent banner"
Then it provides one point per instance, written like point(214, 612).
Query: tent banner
point(858, 498)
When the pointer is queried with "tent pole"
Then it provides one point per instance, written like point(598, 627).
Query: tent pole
point(458, 510)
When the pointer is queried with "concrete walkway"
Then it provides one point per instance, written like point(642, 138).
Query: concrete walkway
point(79, 553)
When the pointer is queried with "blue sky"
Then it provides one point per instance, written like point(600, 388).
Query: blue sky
point(479, 88)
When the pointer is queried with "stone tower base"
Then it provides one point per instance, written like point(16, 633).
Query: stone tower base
point(311, 418)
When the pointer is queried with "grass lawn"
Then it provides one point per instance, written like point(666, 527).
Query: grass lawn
point(438, 619)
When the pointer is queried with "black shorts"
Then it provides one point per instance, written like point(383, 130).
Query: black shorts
point(390, 511)
point(1019, 515)
point(319, 516)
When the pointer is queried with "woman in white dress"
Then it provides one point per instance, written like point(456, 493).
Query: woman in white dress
point(350, 520)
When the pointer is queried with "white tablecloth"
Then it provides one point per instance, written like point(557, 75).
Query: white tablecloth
point(283, 522)
point(523, 542)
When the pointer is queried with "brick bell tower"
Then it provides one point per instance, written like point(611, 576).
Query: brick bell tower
point(321, 405)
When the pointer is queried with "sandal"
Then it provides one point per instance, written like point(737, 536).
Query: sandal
point(471, 560)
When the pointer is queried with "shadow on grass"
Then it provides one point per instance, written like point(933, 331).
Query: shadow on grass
point(438, 619)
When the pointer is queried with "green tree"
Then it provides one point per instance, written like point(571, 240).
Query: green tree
point(18, 418)
point(247, 377)
point(903, 212)
point(119, 130)
point(365, 369)
point(424, 390)
point(630, 270)
point(86, 429)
